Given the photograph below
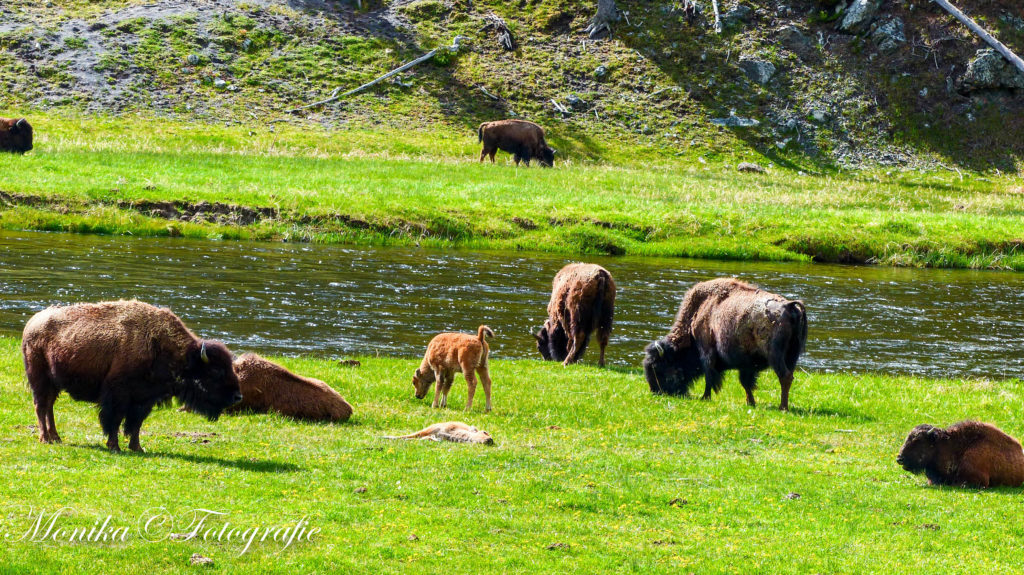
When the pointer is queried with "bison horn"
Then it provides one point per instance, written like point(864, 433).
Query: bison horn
point(661, 350)
point(20, 123)
point(202, 353)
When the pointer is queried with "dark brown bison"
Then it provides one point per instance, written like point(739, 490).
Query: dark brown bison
point(726, 324)
point(968, 453)
point(127, 356)
point(15, 135)
point(582, 301)
point(267, 386)
point(524, 140)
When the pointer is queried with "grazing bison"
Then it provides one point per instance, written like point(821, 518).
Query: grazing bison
point(15, 135)
point(267, 386)
point(524, 140)
point(127, 356)
point(968, 453)
point(582, 300)
point(726, 324)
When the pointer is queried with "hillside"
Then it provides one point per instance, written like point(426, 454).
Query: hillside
point(834, 98)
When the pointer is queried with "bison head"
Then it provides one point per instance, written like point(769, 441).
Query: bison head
point(552, 343)
point(547, 157)
point(20, 139)
point(919, 449)
point(669, 369)
point(421, 380)
point(209, 384)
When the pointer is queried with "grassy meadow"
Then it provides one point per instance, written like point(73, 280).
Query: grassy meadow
point(381, 186)
point(590, 473)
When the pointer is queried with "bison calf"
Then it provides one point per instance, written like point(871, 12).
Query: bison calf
point(968, 453)
point(127, 356)
point(727, 324)
point(451, 352)
point(454, 431)
point(582, 301)
point(15, 135)
point(524, 140)
point(267, 386)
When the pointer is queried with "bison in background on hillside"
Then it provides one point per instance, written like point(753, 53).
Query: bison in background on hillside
point(524, 140)
point(582, 301)
point(127, 356)
point(967, 453)
point(15, 135)
point(727, 324)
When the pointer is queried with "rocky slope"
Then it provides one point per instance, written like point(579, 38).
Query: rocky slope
point(803, 82)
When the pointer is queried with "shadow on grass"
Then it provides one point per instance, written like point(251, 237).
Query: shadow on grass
point(826, 412)
point(244, 464)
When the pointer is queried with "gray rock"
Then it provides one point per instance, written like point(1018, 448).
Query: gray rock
point(193, 59)
point(859, 16)
point(990, 71)
point(791, 37)
point(734, 121)
point(758, 70)
point(737, 16)
point(750, 167)
point(889, 35)
point(219, 83)
point(601, 71)
point(575, 101)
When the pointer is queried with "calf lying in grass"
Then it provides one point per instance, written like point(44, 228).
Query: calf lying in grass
point(451, 352)
point(455, 431)
point(969, 453)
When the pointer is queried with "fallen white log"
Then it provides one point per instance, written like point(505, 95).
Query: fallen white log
point(974, 27)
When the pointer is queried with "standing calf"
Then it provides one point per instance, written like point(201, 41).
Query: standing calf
point(727, 324)
point(451, 352)
point(524, 140)
point(127, 356)
point(967, 453)
point(15, 135)
point(582, 301)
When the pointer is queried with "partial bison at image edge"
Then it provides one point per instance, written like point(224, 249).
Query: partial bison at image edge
point(126, 356)
point(969, 453)
point(15, 135)
point(726, 324)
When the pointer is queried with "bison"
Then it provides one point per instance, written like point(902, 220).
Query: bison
point(15, 135)
point(524, 140)
point(267, 386)
point(727, 324)
point(969, 453)
point(582, 301)
point(127, 356)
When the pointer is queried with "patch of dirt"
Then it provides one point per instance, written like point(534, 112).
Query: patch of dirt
point(202, 212)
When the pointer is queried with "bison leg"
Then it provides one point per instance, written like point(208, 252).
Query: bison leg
point(602, 340)
point(467, 371)
point(785, 380)
point(485, 378)
point(438, 388)
point(493, 153)
point(712, 382)
point(748, 379)
point(44, 394)
point(449, 377)
point(133, 424)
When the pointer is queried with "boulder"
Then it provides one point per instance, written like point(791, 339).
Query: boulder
point(859, 15)
point(758, 70)
point(990, 71)
point(889, 35)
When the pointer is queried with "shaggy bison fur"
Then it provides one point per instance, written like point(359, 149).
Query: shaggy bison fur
point(127, 356)
point(451, 352)
point(727, 324)
point(582, 301)
point(267, 386)
point(524, 140)
point(969, 453)
point(15, 135)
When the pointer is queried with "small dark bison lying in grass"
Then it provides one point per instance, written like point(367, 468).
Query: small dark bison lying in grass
point(267, 386)
point(727, 324)
point(969, 453)
point(582, 301)
point(524, 140)
point(15, 135)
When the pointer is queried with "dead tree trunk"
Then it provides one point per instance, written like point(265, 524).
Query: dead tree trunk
point(602, 21)
point(970, 23)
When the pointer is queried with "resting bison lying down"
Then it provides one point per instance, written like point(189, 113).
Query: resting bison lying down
point(127, 356)
point(726, 324)
point(967, 453)
point(267, 386)
point(582, 301)
point(450, 431)
point(524, 140)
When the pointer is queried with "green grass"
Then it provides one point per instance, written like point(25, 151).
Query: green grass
point(389, 187)
point(585, 457)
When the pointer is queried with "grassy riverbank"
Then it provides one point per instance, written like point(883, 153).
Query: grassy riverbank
point(589, 473)
point(279, 182)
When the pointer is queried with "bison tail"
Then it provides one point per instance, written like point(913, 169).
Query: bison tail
point(480, 134)
point(484, 331)
point(798, 317)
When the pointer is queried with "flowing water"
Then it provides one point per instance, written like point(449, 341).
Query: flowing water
point(335, 301)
